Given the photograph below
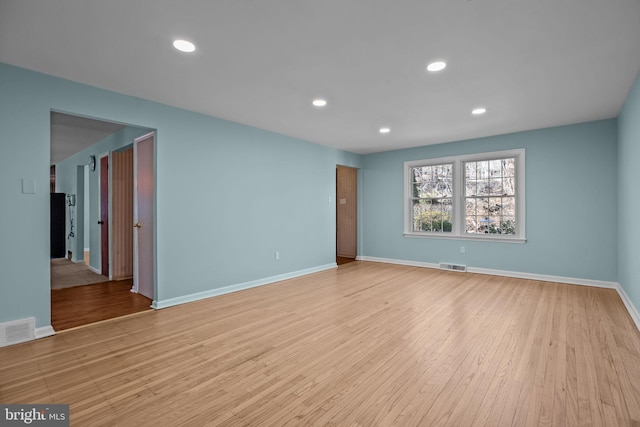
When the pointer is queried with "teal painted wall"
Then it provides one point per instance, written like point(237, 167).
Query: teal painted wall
point(628, 200)
point(228, 196)
point(570, 212)
point(67, 182)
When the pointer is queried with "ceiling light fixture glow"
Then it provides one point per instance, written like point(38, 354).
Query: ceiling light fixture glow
point(385, 130)
point(184, 46)
point(478, 111)
point(437, 66)
point(319, 102)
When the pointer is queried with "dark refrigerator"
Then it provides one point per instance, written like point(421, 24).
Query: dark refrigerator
point(58, 206)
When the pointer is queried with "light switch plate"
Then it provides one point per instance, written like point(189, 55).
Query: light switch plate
point(28, 186)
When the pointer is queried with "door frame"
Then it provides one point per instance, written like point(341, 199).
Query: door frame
point(136, 248)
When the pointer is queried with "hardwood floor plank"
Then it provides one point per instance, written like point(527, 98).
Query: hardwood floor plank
point(367, 344)
point(82, 305)
point(553, 411)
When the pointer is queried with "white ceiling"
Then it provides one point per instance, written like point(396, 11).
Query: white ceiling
point(533, 64)
point(71, 134)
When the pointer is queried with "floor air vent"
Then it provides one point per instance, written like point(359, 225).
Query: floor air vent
point(453, 267)
point(17, 331)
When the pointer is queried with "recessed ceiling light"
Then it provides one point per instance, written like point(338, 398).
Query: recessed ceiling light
point(478, 111)
point(319, 102)
point(385, 130)
point(184, 46)
point(437, 66)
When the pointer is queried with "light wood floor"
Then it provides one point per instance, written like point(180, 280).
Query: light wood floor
point(365, 344)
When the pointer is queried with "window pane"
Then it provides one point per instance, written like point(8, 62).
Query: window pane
point(509, 186)
point(494, 225)
point(471, 224)
point(508, 225)
point(482, 207)
point(447, 214)
point(432, 215)
point(482, 170)
point(433, 181)
point(495, 168)
point(415, 189)
point(509, 167)
point(484, 224)
point(419, 207)
point(444, 187)
point(470, 170)
point(483, 187)
point(495, 185)
point(470, 187)
point(509, 206)
point(495, 206)
point(470, 207)
point(495, 212)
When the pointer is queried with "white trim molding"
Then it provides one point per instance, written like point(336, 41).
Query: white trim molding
point(238, 287)
point(398, 261)
point(545, 277)
point(45, 331)
point(505, 273)
point(633, 311)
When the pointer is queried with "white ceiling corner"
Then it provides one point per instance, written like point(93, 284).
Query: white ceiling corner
point(533, 64)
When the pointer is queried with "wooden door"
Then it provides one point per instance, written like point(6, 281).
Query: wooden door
point(104, 215)
point(122, 218)
point(346, 212)
point(143, 215)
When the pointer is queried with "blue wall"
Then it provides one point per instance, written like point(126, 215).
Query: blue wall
point(570, 205)
point(628, 200)
point(228, 196)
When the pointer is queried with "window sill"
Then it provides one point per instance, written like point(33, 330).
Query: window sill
point(485, 238)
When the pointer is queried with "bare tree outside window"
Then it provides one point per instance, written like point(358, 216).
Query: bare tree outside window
point(432, 193)
point(490, 196)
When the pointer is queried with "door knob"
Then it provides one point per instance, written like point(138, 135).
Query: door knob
point(100, 222)
point(137, 225)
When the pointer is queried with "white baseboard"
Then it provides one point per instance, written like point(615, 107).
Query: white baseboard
point(95, 270)
point(44, 331)
point(238, 287)
point(545, 277)
point(633, 311)
point(505, 273)
point(397, 261)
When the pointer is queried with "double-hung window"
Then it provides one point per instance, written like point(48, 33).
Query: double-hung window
point(479, 196)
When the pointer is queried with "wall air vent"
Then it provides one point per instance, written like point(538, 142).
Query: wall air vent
point(17, 331)
point(453, 267)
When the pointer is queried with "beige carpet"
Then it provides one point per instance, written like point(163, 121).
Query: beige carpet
point(67, 274)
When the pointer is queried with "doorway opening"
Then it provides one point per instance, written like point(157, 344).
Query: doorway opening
point(346, 214)
point(92, 168)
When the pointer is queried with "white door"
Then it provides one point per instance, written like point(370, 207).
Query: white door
point(143, 206)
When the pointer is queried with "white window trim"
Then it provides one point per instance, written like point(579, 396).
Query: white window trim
point(458, 214)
